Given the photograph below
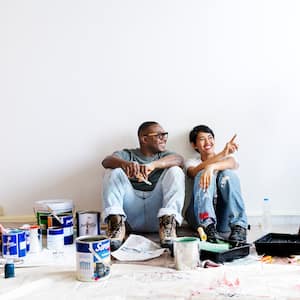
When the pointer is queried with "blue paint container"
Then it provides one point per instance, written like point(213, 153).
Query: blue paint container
point(92, 258)
point(14, 243)
point(66, 222)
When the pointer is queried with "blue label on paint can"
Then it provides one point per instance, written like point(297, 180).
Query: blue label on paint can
point(101, 247)
point(14, 243)
point(55, 231)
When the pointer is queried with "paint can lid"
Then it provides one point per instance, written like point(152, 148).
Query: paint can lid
point(57, 205)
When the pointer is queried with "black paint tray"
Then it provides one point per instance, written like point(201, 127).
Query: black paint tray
point(278, 244)
point(233, 253)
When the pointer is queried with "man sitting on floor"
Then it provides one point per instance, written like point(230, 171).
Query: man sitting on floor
point(143, 184)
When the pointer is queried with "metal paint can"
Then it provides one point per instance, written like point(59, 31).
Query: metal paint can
point(25, 228)
point(92, 258)
point(186, 253)
point(88, 223)
point(43, 209)
point(55, 238)
point(14, 243)
point(66, 222)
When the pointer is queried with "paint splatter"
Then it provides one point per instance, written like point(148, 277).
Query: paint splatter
point(203, 216)
point(224, 181)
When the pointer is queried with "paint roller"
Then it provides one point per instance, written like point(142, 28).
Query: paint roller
point(213, 247)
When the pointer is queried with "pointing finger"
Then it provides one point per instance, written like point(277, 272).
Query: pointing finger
point(232, 140)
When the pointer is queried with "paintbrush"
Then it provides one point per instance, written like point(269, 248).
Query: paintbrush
point(140, 177)
point(202, 234)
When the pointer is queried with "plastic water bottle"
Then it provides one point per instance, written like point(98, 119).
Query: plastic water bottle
point(266, 217)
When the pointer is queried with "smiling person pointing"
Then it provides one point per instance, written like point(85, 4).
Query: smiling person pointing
point(144, 187)
point(214, 178)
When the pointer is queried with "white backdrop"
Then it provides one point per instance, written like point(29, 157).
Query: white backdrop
point(78, 77)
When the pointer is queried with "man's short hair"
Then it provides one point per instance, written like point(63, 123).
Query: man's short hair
point(200, 128)
point(144, 126)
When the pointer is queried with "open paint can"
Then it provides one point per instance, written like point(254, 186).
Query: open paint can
point(92, 258)
point(186, 253)
point(53, 208)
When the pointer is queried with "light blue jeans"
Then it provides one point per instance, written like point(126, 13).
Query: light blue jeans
point(142, 209)
point(229, 209)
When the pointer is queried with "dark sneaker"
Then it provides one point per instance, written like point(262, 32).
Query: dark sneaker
point(212, 234)
point(167, 230)
point(238, 234)
point(116, 231)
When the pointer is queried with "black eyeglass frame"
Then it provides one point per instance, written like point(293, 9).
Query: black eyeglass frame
point(159, 135)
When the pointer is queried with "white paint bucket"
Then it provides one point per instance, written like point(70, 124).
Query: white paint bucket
point(92, 258)
point(187, 253)
point(57, 207)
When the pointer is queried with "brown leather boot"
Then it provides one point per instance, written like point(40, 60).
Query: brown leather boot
point(116, 231)
point(167, 230)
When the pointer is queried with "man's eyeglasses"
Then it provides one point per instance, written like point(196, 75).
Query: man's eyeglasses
point(160, 135)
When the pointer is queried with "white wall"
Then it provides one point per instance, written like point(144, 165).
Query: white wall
point(78, 77)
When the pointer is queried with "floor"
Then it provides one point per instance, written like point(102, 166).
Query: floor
point(47, 275)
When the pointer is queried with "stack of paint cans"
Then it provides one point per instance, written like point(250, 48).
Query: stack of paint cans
point(55, 217)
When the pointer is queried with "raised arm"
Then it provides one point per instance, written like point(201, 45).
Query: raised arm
point(229, 148)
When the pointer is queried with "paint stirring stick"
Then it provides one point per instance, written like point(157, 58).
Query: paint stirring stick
point(54, 214)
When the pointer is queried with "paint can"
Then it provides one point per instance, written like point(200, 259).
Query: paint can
point(55, 238)
point(66, 222)
point(187, 253)
point(92, 258)
point(25, 228)
point(35, 239)
point(45, 208)
point(14, 243)
point(88, 223)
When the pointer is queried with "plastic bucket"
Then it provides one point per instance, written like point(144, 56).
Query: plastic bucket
point(45, 208)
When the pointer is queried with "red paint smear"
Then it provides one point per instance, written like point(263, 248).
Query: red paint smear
point(203, 216)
